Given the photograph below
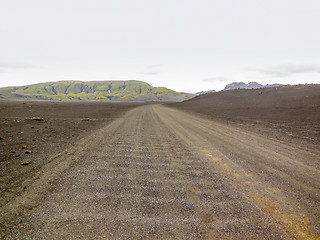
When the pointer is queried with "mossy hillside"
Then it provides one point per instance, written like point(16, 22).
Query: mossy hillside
point(94, 90)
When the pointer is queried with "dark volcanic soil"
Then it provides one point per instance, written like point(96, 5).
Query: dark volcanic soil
point(239, 164)
point(289, 113)
point(63, 124)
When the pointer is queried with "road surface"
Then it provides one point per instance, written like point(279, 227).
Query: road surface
point(160, 173)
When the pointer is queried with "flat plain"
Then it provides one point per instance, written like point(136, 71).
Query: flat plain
point(201, 169)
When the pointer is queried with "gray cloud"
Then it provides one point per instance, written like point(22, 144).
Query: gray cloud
point(7, 66)
point(215, 79)
point(150, 73)
point(288, 70)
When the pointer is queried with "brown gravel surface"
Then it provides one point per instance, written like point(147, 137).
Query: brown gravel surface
point(24, 138)
point(161, 173)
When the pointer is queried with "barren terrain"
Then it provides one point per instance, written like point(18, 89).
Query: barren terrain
point(158, 172)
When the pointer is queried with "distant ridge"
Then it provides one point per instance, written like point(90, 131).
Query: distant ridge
point(250, 85)
point(205, 92)
point(122, 91)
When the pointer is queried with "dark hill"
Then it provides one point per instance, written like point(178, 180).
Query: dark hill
point(295, 110)
point(266, 98)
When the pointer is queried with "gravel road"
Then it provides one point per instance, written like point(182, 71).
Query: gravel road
point(161, 173)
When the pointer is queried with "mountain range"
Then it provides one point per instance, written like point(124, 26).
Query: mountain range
point(116, 91)
point(250, 85)
point(130, 90)
point(205, 92)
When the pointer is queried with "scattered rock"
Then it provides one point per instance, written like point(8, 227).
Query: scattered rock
point(20, 132)
point(24, 146)
point(1, 138)
point(37, 119)
point(28, 152)
point(26, 162)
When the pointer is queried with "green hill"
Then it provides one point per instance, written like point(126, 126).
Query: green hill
point(93, 91)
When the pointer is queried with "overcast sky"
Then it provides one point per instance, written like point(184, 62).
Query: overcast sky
point(180, 44)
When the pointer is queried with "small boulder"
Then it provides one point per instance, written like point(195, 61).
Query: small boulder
point(26, 162)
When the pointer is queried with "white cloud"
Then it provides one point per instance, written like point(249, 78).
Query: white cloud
point(216, 79)
point(155, 66)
